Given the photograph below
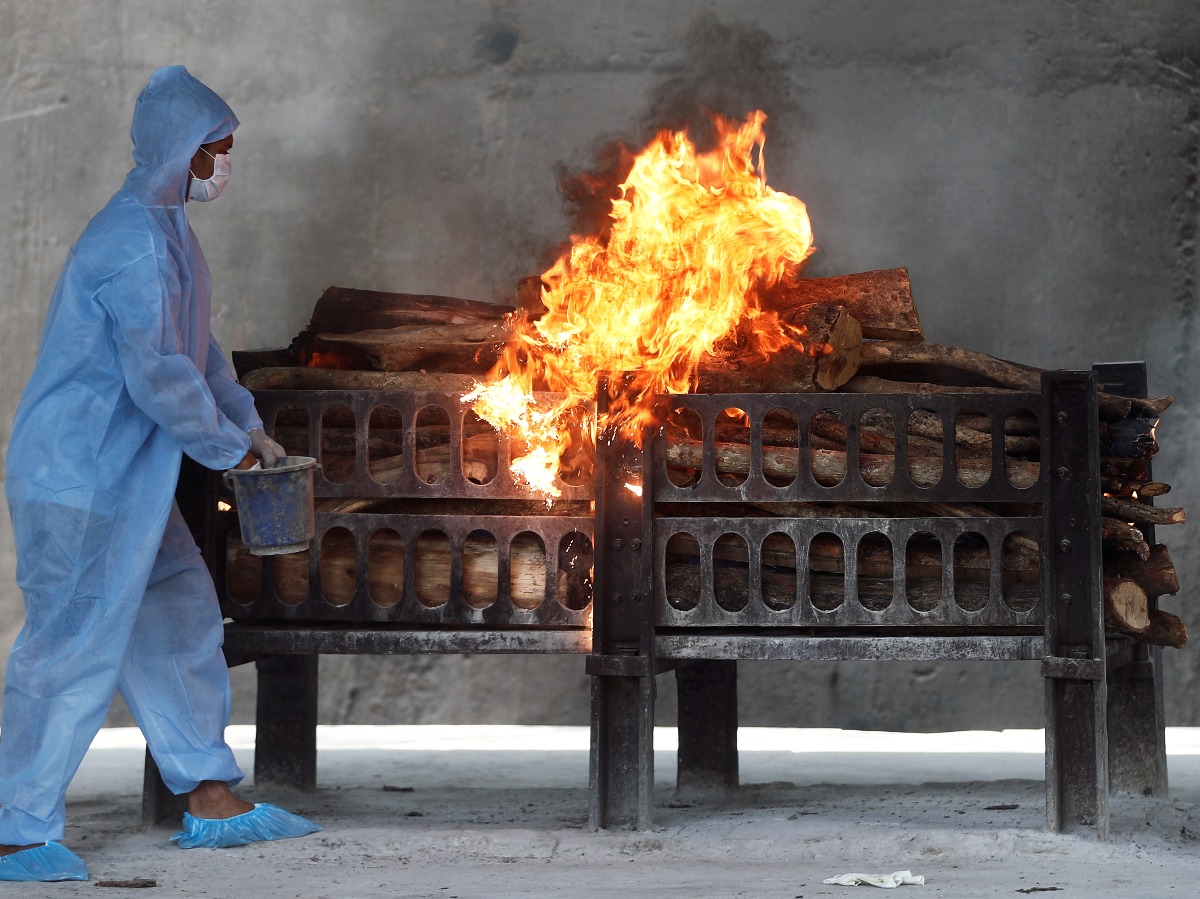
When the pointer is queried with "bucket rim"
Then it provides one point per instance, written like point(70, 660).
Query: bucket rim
point(283, 466)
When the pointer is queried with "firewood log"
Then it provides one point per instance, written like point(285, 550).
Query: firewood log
point(1149, 489)
point(344, 310)
point(301, 378)
point(1155, 574)
point(1141, 513)
point(950, 360)
point(1123, 536)
point(1126, 606)
point(881, 301)
point(1116, 486)
point(827, 358)
point(951, 364)
point(464, 348)
point(1165, 630)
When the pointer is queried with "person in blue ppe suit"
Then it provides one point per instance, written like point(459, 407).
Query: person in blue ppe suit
point(128, 378)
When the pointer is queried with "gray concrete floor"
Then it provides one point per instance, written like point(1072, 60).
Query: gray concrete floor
point(485, 811)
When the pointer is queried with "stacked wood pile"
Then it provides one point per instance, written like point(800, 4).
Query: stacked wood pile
point(864, 336)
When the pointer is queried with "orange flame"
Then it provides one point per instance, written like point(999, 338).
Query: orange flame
point(695, 237)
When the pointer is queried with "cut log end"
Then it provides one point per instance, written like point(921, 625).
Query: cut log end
point(1126, 606)
point(840, 363)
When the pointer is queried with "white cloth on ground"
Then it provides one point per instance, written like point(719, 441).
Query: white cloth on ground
point(887, 881)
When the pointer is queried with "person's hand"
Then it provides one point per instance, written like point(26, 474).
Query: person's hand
point(266, 449)
point(248, 461)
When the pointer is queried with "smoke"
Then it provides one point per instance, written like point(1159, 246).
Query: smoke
point(725, 68)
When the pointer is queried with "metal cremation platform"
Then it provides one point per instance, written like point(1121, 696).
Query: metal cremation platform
point(667, 593)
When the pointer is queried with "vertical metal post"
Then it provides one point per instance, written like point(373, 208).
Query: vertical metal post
point(285, 743)
point(708, 722)
point(1137, 749)
point(159, 805)
point(1074, 667)
point(622, 663)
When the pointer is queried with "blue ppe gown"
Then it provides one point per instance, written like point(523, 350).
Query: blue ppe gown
point(128, 377)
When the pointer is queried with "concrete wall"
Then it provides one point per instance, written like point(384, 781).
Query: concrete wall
point(1034, 165)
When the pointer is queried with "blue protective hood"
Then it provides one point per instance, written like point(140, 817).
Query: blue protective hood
point(174, 115)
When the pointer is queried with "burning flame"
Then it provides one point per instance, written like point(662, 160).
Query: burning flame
point(695, 236)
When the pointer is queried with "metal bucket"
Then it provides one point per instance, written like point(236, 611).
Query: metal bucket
point(275, 505)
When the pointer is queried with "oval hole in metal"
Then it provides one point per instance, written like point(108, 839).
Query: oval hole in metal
point(1021, 581)
point(433, 569)
point(385, 568)
point(433, 444)
point(338, 564)
point(731, 572)
point(923, 571)
point(290, 577)
point(733, 426)
point(973, 453)
point(972, 572)
point(877, 448)
point(876, 579)
point(781, 431)
point(480, 449)
point(1023, 457)
point(481, 570)
point(575, 571)
point(385, 442)
point(290, 429)
point(826, 572)
point(243, 571)
point(527, 570)
point(828, 447)
point(684, 426)
point(682, 572)
point(337, 444)
point(578, 459)
point(778, 572)
point(925, 447)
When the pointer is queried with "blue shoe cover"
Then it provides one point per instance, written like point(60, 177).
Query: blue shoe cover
point(263, 822)
point(51, 862)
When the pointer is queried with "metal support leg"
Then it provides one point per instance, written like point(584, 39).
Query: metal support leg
point(285, 747)
point(622, 664)
point(708, 723)
point(1137, 750)
point(159, 805)
point(1074, 668)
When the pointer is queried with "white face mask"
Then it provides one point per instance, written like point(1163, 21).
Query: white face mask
point(205, 189)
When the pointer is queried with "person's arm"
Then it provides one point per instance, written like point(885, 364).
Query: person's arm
point(238, 405)
point(161, 379)
point(231, 397)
